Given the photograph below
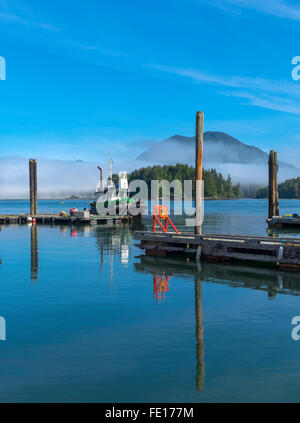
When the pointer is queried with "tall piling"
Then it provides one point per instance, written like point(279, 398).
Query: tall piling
point(273, 185)
point(33, 186)
point(198, 171)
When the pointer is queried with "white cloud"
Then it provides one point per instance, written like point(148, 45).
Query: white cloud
point(18, 13)
point(232, 81)
point(10, 17)
point(93, 48)
point(268, 94)
point(268, 102)
point(279, 8)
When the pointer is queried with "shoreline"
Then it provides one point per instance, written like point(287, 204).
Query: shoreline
point(172, 199)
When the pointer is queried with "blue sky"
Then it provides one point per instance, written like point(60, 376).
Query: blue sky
point(85, 79)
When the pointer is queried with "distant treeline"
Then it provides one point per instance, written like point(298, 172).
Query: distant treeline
point(287, 189)
point(215, 186)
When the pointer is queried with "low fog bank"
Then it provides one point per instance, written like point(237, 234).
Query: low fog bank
point(60, 179)
point(56, 178)
point(252, 177)
point(246, 174)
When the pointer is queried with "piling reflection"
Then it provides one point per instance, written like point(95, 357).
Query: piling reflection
point(34, 252)
point(200, 373)
point(272, 281)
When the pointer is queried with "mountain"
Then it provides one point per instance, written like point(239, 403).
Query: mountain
point(218, 147)
point(246, 164)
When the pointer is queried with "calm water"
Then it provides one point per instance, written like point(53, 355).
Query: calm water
point(86, 320)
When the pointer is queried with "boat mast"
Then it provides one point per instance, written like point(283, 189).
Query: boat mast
point(110, 169)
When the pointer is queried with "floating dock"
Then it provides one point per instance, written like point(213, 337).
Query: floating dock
point(55, 219)
point(288, 222)
point(280, 252)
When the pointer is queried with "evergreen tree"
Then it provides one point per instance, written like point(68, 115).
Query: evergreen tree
point(287, 189)
point(214, 183)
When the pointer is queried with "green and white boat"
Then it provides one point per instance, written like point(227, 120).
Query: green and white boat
point(112, 198)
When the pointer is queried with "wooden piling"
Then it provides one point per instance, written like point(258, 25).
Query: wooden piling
point(198, 170)
point(273, 185)
point(33, 187)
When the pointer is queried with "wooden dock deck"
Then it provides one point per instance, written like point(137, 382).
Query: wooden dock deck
point(281, 252)
point(55, 219)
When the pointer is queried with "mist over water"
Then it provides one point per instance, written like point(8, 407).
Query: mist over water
point(62, 178)
point(56, 178)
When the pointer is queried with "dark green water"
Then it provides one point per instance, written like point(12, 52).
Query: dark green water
point(86, 321)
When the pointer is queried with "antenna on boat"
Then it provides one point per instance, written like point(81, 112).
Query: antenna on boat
point(110, 167)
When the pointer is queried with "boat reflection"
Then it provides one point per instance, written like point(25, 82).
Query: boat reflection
point(111, 241)
point(115, 243)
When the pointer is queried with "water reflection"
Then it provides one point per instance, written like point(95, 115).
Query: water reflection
point(272, 281)
point(200, 372)
point(160, 286)
point(115, 242)
point(284, 232)
point(114, 247)
point(111, 242)
point(34, 244)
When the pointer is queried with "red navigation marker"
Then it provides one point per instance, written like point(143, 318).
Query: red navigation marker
point(160, 215)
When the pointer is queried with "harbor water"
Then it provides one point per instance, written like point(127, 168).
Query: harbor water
point(89, 318)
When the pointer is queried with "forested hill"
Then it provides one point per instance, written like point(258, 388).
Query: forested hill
point(215, 186)
point(219, 148)
point(287, 189)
